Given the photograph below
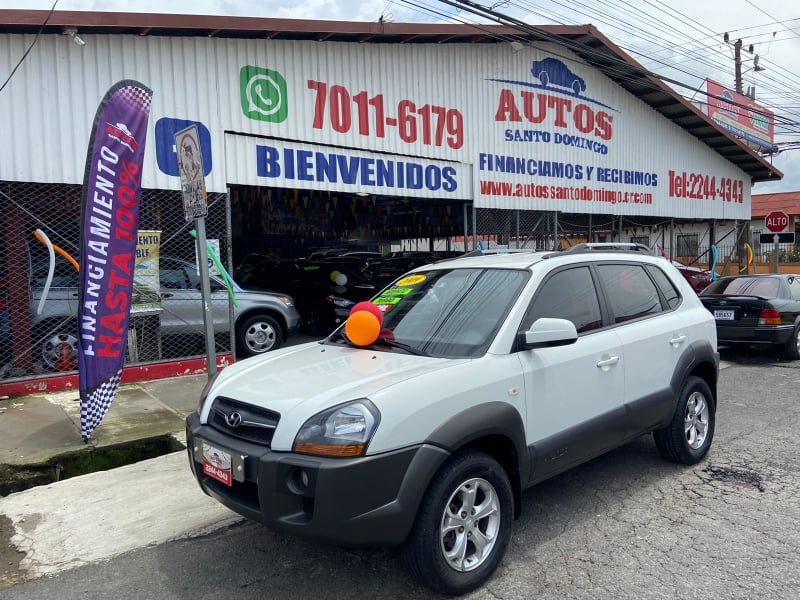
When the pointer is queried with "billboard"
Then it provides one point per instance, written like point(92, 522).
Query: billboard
point(741, 116)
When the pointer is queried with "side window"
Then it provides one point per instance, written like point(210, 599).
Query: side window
point(568, 294)
point(194, 278)
point(665, 285)
point(172, 276)
point(630, 292)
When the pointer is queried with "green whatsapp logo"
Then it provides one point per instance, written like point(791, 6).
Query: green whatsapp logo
point(263, 94)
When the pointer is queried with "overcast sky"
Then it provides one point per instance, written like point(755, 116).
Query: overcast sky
point(678, 39)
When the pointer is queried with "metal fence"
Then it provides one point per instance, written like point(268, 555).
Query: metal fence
point(38, 324)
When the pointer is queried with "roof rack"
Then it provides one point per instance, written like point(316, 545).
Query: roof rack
point(498, 251)
point(607, 247)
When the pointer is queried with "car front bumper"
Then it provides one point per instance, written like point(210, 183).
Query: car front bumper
point(366, 501)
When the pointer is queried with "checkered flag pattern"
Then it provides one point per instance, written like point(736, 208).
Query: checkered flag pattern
point(95, 407)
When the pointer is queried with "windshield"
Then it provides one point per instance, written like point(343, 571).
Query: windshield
point(447, 313)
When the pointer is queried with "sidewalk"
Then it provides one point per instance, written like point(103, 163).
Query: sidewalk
point(39, 427)
point(62, 525)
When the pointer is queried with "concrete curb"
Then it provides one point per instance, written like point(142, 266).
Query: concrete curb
point(95, 517)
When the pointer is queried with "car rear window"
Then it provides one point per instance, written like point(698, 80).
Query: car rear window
point(763, 287)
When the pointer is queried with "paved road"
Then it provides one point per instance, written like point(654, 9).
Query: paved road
point(626, 525)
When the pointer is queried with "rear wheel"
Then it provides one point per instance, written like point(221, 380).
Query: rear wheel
point(688, 437)
point(258, 334)
point(792, 348)
point(463, 526)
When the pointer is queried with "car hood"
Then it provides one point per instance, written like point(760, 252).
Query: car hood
point(302, 380)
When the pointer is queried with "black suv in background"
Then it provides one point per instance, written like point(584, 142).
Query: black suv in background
point(324, 289)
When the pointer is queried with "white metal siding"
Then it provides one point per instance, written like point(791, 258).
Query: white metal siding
point(46, 112)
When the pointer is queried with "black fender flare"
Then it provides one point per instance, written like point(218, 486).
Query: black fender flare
point(482, 422)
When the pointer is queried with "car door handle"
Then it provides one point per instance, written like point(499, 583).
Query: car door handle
point(163, 296)
point(678, 339)
point(607, 362)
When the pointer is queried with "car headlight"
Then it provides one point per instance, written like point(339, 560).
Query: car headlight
point(286, 300)
point(341, 431)
point(340, 302)
point(204, 393)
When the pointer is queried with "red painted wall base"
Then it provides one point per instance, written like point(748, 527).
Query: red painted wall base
point(132, 374)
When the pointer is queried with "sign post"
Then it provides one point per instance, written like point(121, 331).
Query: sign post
point(195, 207)
point(777, 222)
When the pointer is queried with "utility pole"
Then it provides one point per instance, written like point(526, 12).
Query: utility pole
point(743, 227)
point(737, 61)
point(737, 58)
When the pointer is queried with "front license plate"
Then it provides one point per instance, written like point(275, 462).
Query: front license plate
point(723, 315)
point(217, 464)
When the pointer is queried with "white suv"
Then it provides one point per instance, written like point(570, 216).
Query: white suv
point(491, 374)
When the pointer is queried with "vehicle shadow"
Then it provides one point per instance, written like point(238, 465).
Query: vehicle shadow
point(754, 356)
point(250, 557)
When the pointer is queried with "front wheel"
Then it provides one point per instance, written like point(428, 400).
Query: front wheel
point(58, 348)
point(463, 526)
point(688, 437)
point(258, 334)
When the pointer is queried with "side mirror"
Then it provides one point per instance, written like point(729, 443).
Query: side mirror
point(547, 332)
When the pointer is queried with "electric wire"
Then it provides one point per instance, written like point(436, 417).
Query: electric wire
point(785, 124)
point(28, 51)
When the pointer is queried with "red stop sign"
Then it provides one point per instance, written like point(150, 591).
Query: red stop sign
point(777, 221)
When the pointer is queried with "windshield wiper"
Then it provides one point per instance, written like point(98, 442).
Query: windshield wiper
point(400, 346)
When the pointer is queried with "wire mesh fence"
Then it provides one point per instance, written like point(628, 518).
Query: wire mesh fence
point(38, 308)
point(39, 294)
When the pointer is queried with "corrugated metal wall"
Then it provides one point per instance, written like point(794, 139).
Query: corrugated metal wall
point(47, 110)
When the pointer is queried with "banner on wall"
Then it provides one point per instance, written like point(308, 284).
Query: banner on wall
point(281, 163)
point(109, 236)
point(146, 286)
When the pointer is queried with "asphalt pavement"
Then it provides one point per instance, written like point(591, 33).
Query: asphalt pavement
point(92, 519)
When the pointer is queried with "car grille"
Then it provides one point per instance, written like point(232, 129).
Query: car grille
point(243, 421)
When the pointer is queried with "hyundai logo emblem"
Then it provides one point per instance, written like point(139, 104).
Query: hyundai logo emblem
point(234, 420)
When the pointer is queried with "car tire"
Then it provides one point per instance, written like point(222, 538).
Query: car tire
point(468, 482)
point(688, 437)
point(312, 322)
point(258, 334)
point(50, 346)
point(792, 348)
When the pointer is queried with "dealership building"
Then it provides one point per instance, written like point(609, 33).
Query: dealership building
point(318, 134)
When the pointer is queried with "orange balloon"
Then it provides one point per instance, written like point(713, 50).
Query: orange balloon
point(362, 328)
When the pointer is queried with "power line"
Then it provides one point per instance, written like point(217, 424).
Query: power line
point(647, 56)
point(33, 43)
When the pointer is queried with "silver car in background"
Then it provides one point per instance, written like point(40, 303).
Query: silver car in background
point(262, 320)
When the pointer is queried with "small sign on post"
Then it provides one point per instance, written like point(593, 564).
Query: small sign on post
point(777, 221)
point(190, 164)
point(195, 208)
